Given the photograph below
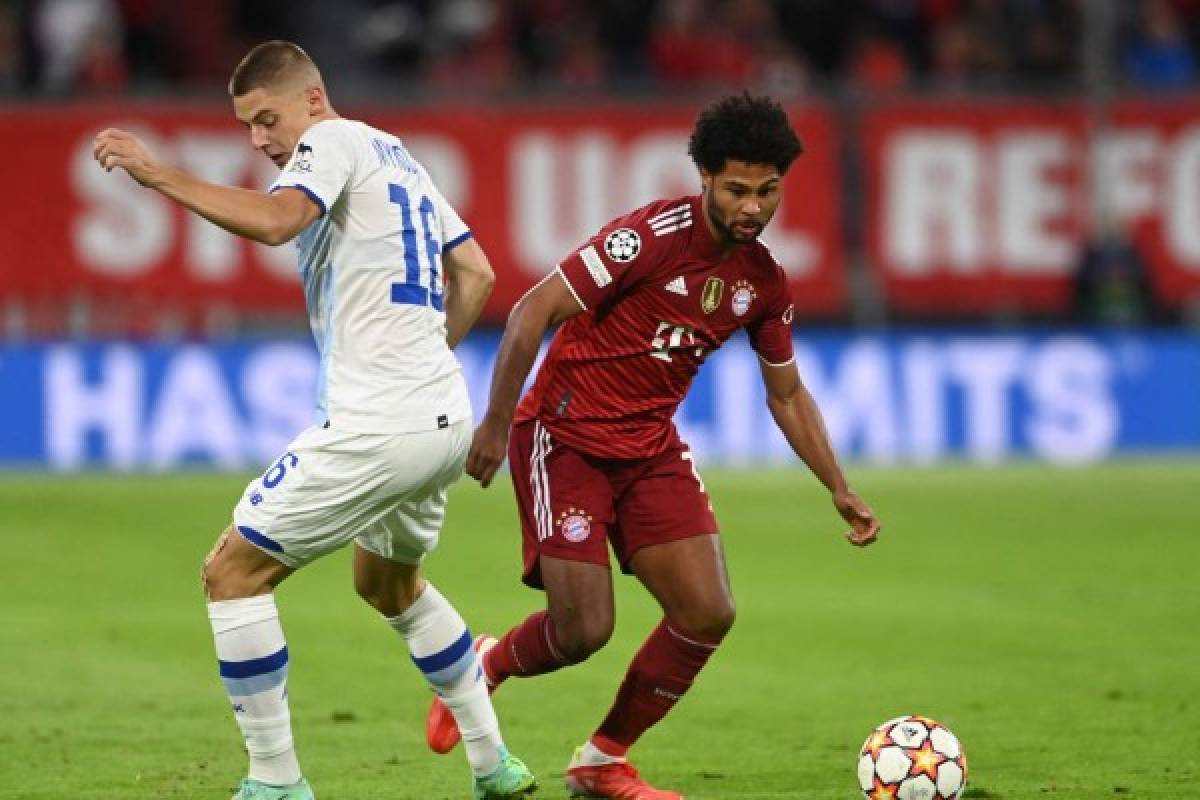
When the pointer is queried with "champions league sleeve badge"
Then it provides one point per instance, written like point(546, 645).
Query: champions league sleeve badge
point(743, 296)
point(623, 245)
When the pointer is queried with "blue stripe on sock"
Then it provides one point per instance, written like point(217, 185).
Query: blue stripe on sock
point(265, 542)
point(255, 666)
point(244, 687)
point(451, 674)
point(451, 655)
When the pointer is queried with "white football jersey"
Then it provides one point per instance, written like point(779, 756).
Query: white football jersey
point(372, 271)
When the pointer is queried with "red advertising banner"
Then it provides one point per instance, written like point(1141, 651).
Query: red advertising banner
point(986, 208)
point(532, 182)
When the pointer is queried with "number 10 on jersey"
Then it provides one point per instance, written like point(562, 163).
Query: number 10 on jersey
point(412, 291)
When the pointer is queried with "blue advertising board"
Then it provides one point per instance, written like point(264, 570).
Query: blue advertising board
point(904, 397)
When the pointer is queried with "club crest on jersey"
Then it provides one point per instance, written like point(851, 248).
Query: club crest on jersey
point(304, 159)
point(623, 245)
point(710, 298)
point(576, 524)
point(743, 296)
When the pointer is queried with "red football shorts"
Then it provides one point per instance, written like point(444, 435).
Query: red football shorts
point(572, 504)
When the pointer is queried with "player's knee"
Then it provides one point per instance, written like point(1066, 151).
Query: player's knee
point(578, 638)
point(710, 623)
point(220, 580)
point(225, 576)
point(212, 572)
point(720, 621)
point(391, 598)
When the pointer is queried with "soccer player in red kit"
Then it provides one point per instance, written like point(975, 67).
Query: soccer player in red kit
point(595, 456)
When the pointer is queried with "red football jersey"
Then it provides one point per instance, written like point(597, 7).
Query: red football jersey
point(658, 297)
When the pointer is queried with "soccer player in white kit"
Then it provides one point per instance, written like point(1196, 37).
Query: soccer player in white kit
point(392, 281)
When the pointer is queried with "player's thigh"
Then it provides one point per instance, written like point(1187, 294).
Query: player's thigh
point(662, 500)
point(322, 492)
point(689, 580)
point(564, 501)
point(579, 598)
point(425, 466)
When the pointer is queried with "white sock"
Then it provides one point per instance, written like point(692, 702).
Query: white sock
point(440, 645)
point(593, 756)
point(254, 666)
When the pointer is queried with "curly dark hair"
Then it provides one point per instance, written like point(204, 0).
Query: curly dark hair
point(744, 128)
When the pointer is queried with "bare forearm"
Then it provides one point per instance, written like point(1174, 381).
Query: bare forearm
point(465, 296)
point(800, 421)
point(243, 212)
point(518, 350)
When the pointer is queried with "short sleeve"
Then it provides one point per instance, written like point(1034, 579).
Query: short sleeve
point(321, 166)
point(613, 259)
point(454, 230)
point(771, 333)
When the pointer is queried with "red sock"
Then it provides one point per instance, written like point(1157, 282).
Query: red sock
point(658, 676)
point(529, 649)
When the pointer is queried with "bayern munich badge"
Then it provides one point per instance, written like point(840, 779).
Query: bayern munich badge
point(743, 296)
point(576, 524)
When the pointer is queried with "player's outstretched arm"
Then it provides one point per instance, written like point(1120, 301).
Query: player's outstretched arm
point(800, 421)
point(268, 218)
point(543, 306)
point(469, 282)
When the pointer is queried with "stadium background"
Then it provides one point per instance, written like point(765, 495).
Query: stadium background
point(992, 238)
point(994, 247)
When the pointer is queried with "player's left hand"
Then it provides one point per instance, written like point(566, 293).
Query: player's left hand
point(864, 527)
point(118, 148)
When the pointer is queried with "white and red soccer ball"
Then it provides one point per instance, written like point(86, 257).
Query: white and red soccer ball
point(912, 758)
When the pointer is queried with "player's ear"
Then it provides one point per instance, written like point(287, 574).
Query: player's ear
point(316, 100)
point(706, 179)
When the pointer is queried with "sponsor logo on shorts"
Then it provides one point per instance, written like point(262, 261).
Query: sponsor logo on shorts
point(255, 498)
point(576, 524)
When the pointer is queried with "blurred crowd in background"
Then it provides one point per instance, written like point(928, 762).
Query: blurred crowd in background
point(97, 47)
point(383, 53)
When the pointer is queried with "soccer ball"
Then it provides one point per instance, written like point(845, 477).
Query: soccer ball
point(912, 758)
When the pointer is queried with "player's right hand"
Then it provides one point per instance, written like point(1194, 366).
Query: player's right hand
point(117, 148)
point(488, 448)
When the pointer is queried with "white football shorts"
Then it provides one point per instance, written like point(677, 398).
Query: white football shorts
point(385, 491)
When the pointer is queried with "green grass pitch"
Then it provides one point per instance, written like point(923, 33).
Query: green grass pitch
point(1049, 617)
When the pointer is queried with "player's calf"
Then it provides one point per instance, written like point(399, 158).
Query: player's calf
point(441, 729)
point(253, 659)
point(440, 645)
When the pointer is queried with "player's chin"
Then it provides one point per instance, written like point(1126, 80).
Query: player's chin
point(744, 234)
